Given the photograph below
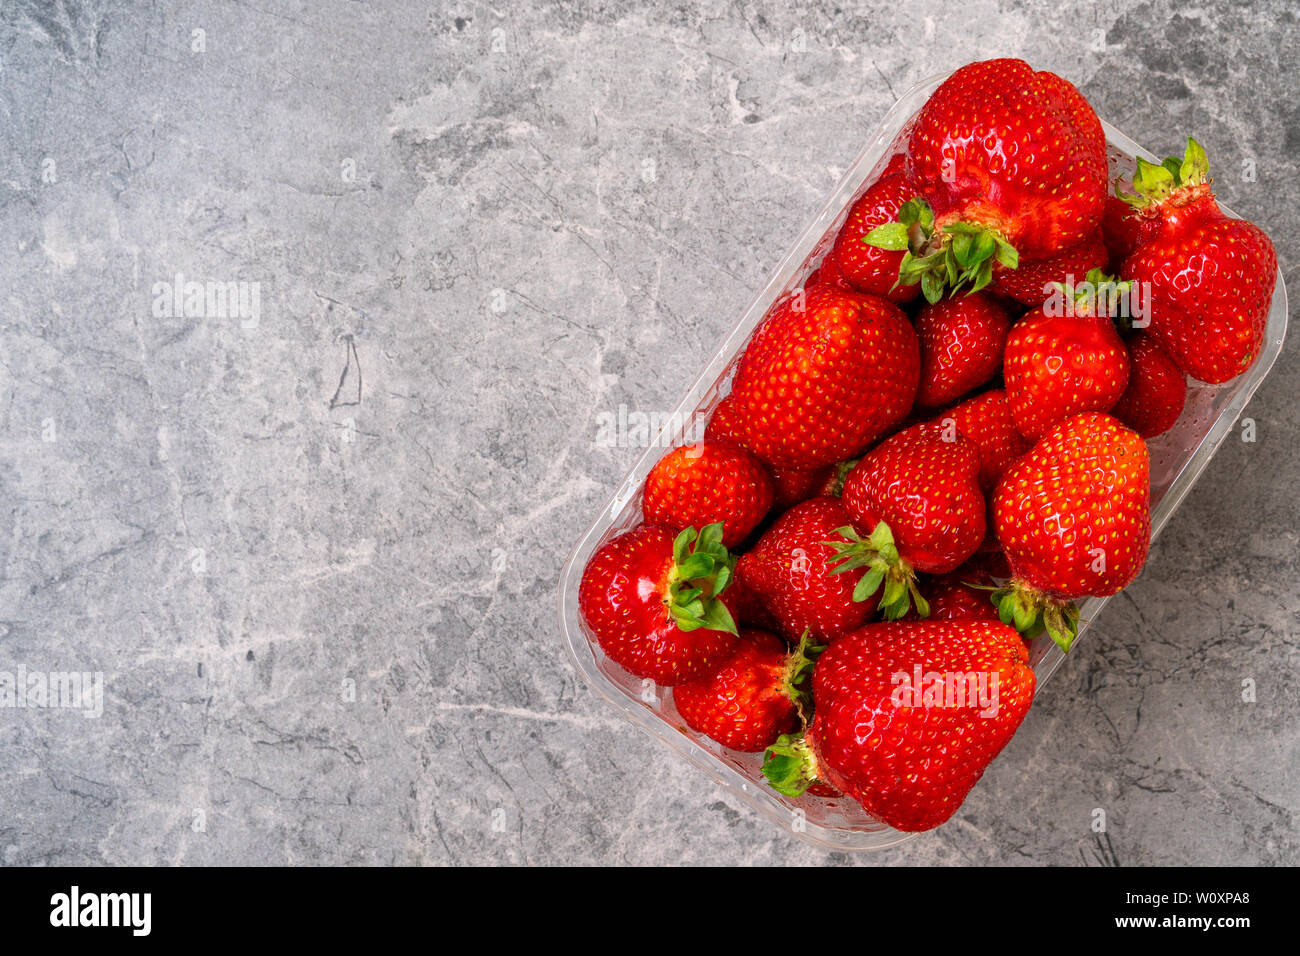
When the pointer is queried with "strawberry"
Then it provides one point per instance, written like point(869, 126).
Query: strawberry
point(823, 376)
point(961, 343)
point(1211, 277)
point(1123, 229)
point(953, 598)
point(865, 267)
point(745, 604)
point(794, 486)
point(916, 505)
point(907, 716)
point(828, 273)
point(1073, 518)
point(1065, 357)
point(754, 698)
point(986, 421)
point(712, 480)
point(1156, 391)
point(789, 485)
point(654, 602)
point(723, 424)
point(1029, 283)
point(1010, 164)
point(789, 570)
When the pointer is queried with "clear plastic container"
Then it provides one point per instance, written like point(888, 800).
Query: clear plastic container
point(1177, 459)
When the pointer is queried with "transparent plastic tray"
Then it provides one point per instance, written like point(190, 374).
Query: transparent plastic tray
point(1177, 459)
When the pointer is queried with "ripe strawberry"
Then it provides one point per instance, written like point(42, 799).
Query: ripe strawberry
point(712, 480)
point(722, 424)
point(745, 604)
point(827, 373)
point(986, 421)
point(1156, 391)
point(789, 570)
point(1065, 357)
point(1211, 277)
point(907, 717)
point(1029, 283)
point(865, 267)
point(1123, 229)
point(1011, 165)
point(654, 602)
point(754, 698)
point(961, 346)
point(916, 499)
point(828, 273)
point(1073, 518)
point(793, 486)
point(952, 597)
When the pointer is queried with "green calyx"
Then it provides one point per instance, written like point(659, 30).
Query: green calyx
point(797, 682)
point(948, 258)
point(1154, 184)
point(1031, 612)
point(885, 567)
point(789, 765)
point(1096, 287)
point(698, 576)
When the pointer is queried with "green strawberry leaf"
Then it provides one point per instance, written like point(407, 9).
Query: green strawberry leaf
point(892, 236)
point(869, 584)
point(716, 617)
point(682, 545)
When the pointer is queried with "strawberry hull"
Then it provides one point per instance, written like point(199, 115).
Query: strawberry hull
point(1177, 459)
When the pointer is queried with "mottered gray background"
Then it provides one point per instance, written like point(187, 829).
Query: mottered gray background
point(314, 552)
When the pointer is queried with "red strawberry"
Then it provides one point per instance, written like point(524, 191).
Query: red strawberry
point(1073, 518)
point(754, 698)
point(712, 480)
point(794, 486)
point(907, 717)
point(1029, 282)
point(828, 273)
point(745, 604)
point(652, 601)
point(865, 267)
point(961, 346)
point(1065, 357)
point(1011, 165)
point(723, 423)
point(916, 499)
point(789, 570)
point(1156, 391)
point(986, 421)
point(952, 597)
point(1123, 229)
point(827, 373)
point(1211, 278)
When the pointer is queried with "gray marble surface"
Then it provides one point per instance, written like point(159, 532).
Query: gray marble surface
point(313, 551)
